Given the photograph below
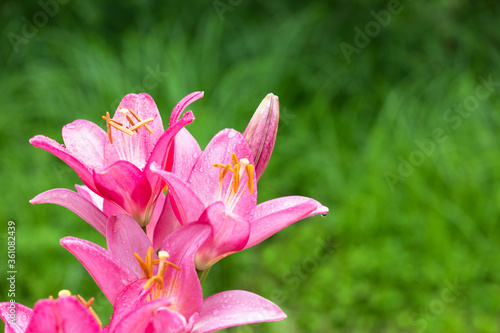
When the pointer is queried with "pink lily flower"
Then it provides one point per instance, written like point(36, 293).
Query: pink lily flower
point(67, 314)
point(116, 165)
point(222, 190)
point(156, 295)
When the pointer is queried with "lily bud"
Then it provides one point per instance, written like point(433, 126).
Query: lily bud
point(261, 132)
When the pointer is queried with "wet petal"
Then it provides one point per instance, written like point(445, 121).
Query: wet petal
point(162, 154)
point(233, 308)
point(86, 141)
point(183, 286)
point(273, 215)
point(229, 234)
point(21, 313)
point(108, 272)
point(186, 153)
point(185, 203)
point(77, 204)
point(182, 105)
point(58, 150)
point(138, 148)
point(126, 185)
point(124, 237)
point(139, 320)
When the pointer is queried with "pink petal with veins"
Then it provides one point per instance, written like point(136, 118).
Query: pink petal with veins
point(233, 308)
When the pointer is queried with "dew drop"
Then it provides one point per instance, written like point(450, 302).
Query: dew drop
point(231, 134)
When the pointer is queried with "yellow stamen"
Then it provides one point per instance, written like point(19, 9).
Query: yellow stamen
point(88, 306)
point(139, 119)
point(130, 120)
point(236, 178)
point(155, 281)
point(141, 123)
point(234, 158)
point(108, 126)
point(122, 129)
point(250, 181)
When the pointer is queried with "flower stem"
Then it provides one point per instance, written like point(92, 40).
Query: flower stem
point(203, 275)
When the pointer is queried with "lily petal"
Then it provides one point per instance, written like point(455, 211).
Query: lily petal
point(124, 237)
point(139, 319)
point(166, 224)
point(86, 141)
point(230, 234)
point(183, 286)
point(106, 206)
point(162, 154)
point(170, 321)
point(185, 203)
point(129, 299)
point(60, 151)
point(66, 314)
point(186, 153)
point(127, 186)
point(233, 308)
point(144, 106)
point(182, 105)
point(22, 315)
point(77, 204)
point(273, 215)
point(108, 272)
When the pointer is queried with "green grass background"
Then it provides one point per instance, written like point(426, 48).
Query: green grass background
point(392, 247)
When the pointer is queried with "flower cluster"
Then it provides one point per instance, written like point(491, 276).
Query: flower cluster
point(169, 211)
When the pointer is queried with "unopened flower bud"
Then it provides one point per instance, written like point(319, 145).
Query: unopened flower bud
point(261, 132)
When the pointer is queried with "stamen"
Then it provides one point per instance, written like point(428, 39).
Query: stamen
point(108, 126)
point(250, 182)
point(234, 158)
point(139, 119)
point(142, 264)
point(130, 120)
point(236, 178)
point(88, 306)
point(142, 123)
point(122, 128)
point(154, 279)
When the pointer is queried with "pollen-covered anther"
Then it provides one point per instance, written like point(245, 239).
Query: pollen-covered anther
point(140, 120)
point(250, 182)
point(236, 178)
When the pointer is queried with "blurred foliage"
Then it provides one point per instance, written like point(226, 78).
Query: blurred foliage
point(408, 217)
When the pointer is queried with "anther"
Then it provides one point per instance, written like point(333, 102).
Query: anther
point(236, 178)
point(249, 169)
point(139, 119)
point(141, 123)
point(234, 158)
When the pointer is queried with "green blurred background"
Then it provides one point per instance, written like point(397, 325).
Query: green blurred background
point(392, 124)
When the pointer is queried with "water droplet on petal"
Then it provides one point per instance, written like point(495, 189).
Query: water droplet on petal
point(231, 134)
